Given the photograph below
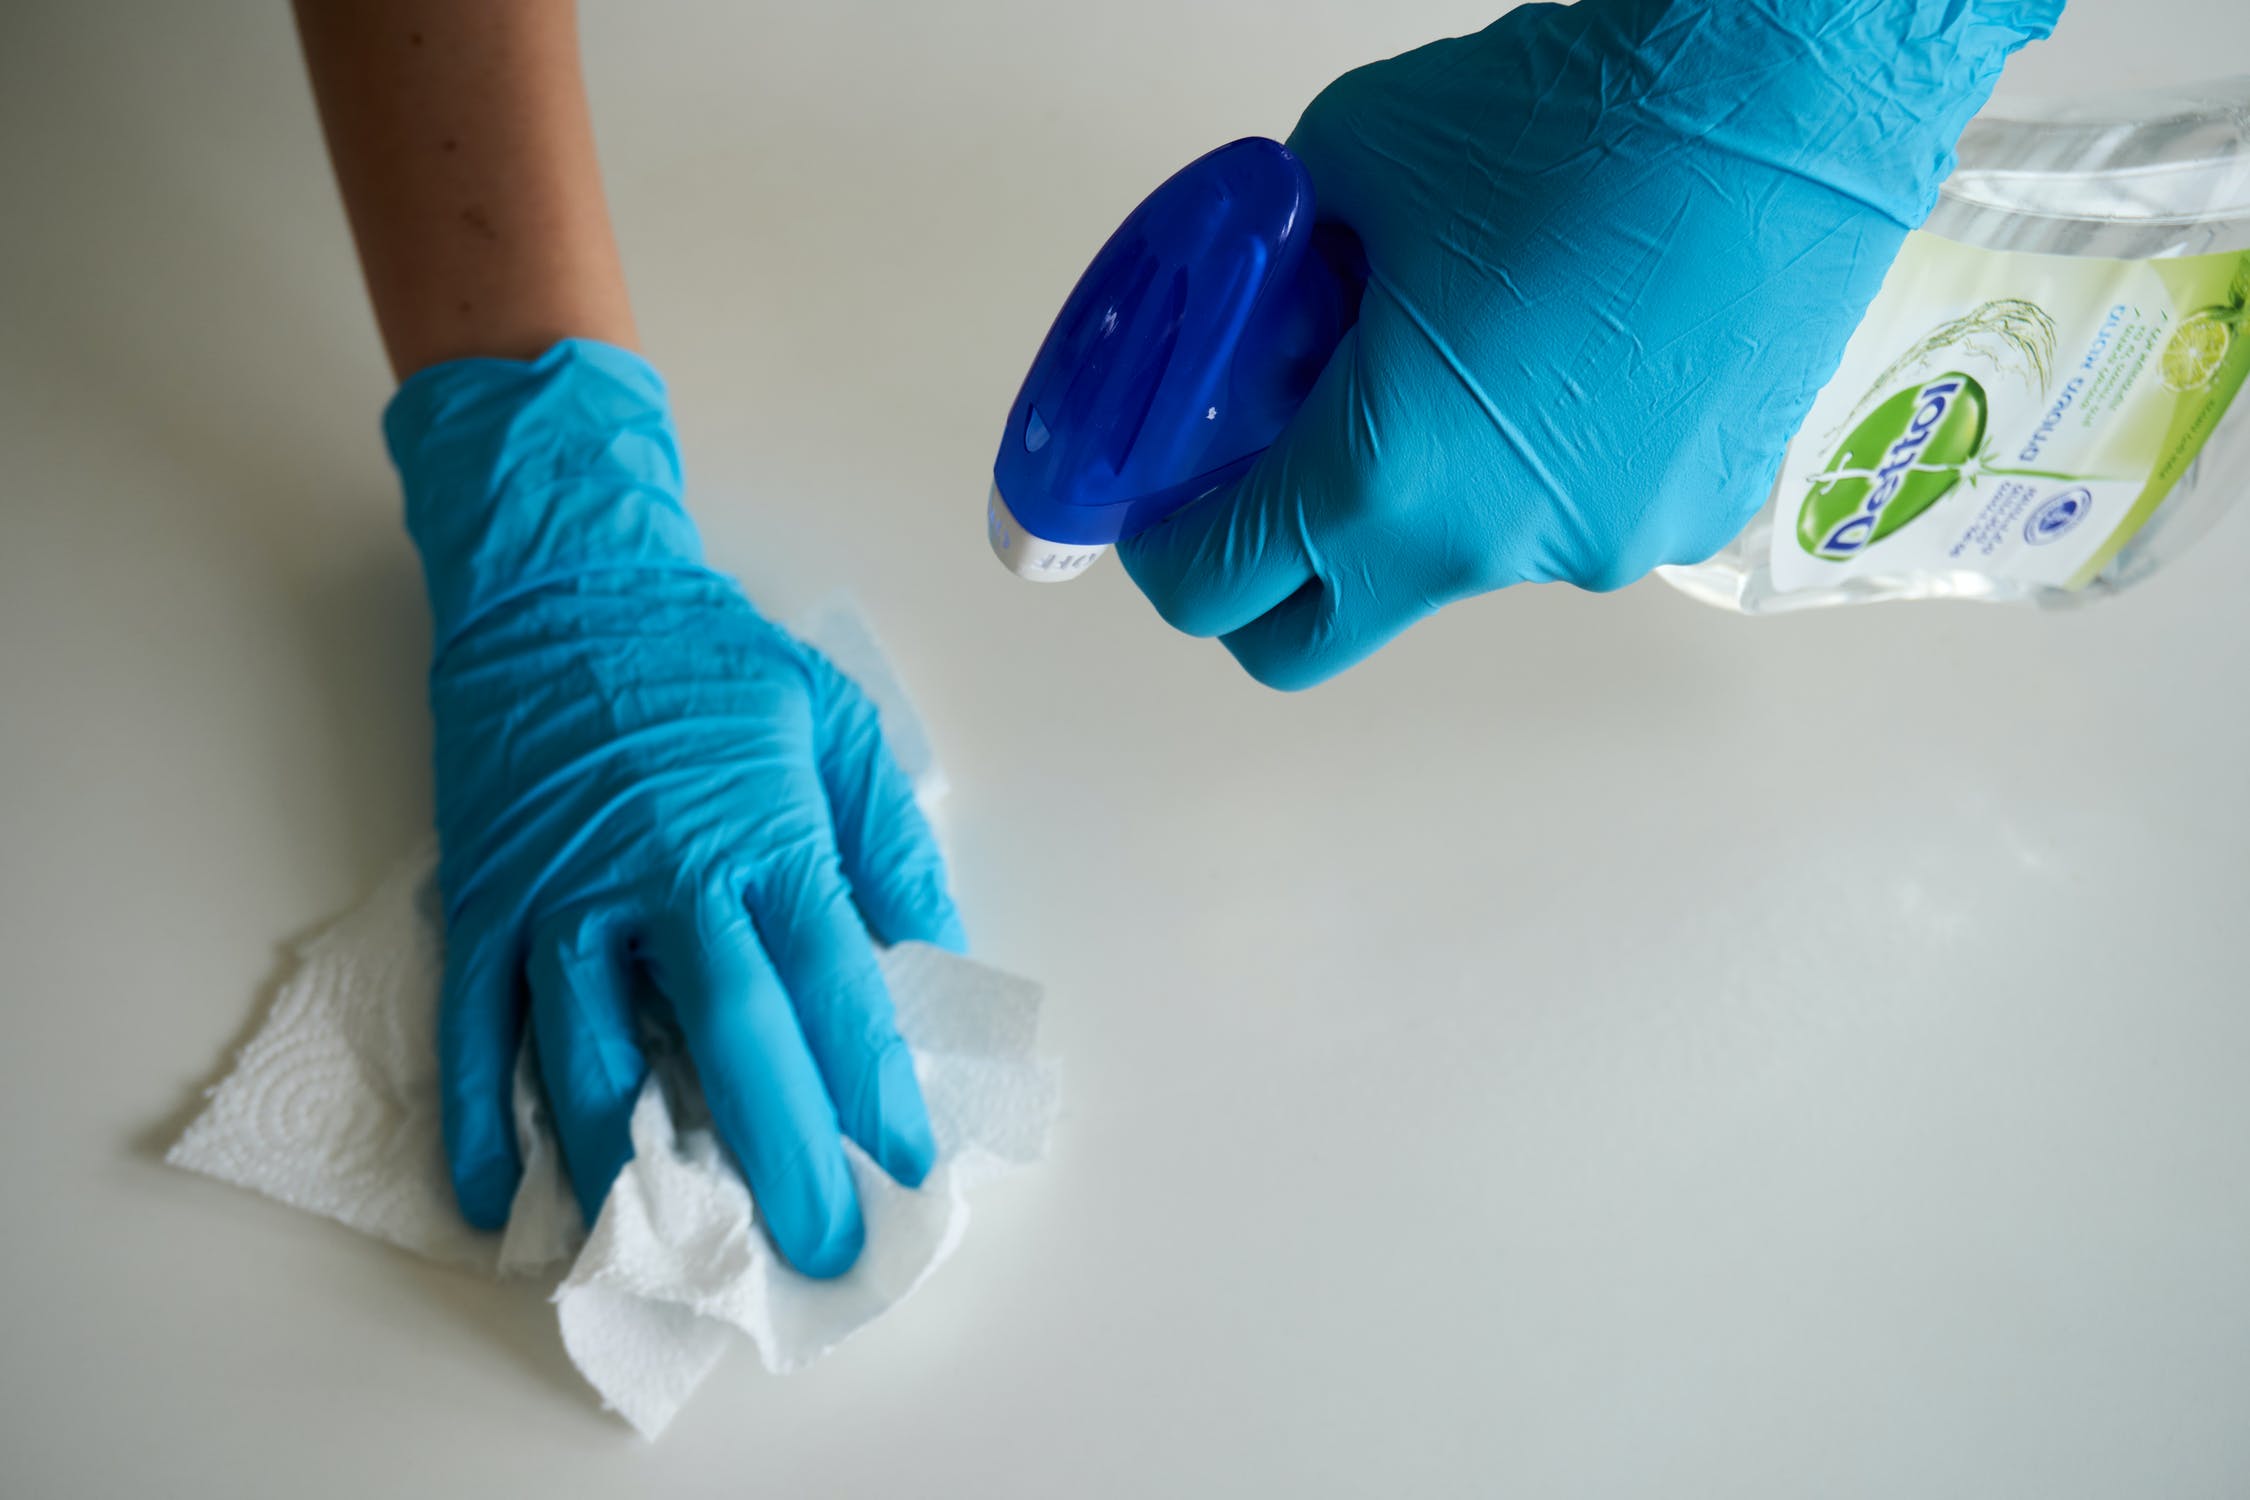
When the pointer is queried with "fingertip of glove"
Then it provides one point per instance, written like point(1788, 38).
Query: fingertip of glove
point(906, 1147)
point(947, 932)
point(919, 910)
point(486, 1191)
point(1285, 679)
point(1282, 672)
point(590, 1185)
point(813, 1214)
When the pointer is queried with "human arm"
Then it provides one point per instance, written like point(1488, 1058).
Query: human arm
point(464, 148)
point(642, 785)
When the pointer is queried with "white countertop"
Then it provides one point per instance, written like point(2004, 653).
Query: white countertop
point(1603, 1047)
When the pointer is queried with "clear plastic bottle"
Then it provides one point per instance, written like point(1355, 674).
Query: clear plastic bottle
point(2075, 281)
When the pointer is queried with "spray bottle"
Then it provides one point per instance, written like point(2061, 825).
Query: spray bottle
point(2038, 407)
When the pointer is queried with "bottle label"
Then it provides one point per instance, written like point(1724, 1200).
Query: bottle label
point(2010, 414)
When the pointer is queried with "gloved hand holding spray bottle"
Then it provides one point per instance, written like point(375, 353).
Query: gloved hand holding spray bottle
point(1602, 289)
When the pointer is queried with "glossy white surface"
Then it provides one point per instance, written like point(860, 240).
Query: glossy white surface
point(1602, 1047)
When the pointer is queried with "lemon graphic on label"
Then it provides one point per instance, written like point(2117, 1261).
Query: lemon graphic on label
point(2198, 347)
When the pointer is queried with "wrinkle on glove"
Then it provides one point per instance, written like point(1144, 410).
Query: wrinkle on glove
point(1614, 251)
point(523, 473)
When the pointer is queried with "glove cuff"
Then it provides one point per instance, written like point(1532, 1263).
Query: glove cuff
point(519, 474)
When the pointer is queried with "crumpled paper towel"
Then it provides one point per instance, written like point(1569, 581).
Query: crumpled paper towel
point(333, 1107)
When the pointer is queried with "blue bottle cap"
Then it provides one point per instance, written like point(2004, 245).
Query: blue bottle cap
point(1179, 357)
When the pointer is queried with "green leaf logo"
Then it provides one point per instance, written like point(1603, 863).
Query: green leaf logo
point(1910, 451)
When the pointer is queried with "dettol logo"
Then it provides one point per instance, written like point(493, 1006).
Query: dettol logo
point(1897, 463)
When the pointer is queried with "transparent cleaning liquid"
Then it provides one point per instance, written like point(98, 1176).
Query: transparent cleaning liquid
point(2040, 405)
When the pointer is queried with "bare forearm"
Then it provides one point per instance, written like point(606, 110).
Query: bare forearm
point(462, 143)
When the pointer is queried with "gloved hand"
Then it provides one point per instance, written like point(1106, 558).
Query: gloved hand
point(1614, 251)
point(635, 771)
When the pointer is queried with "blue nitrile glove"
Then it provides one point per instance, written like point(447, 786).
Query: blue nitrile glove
point(1614, 251)
point(635, 771)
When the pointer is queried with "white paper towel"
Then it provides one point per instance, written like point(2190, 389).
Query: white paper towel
point(333, 1107)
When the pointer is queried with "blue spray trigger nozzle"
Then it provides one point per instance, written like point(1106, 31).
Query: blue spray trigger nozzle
point(1179, 357)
